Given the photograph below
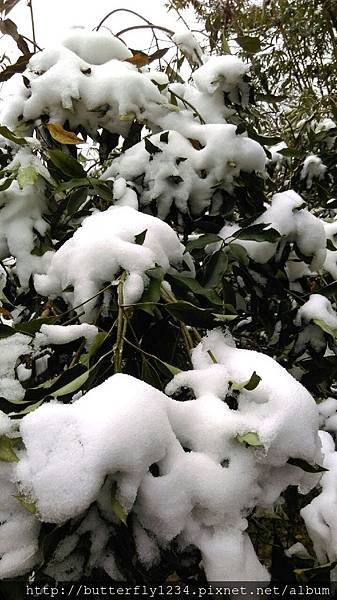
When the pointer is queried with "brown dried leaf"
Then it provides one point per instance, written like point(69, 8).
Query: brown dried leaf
point(8, 27)
point(17, 67)
point(63, 136)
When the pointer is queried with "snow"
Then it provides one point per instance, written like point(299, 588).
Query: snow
point(188, 183)
point(312, 167)
point(317, 307)
point(102, 91)
point(11, 348)
point(63, 334)
point(223, 73)
point(320, 514)
point(21, 212)
point(188, 45)
point(96, 47)
point(294, 223)
point(117, 430)
point(18, 529)
point(102, 247)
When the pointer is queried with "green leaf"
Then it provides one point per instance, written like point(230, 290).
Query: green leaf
point(9, 135)
point(190, 314)
point(253, 382)
point(202, 241)
point(76, 199)
point(150, 296)
point(97, 342)
point(27, 176)
point(194, 286)
point(6, 183)
point(150, 147)
point(216, 269)
point(325, 327)
point(33, 326)
point(249, 385)
point(239, 253)
point(72, 386)
point(261, 232)
point(67, 164)
point(27, 504)
point(7, 453)
point(6, 331)
point(248, 43)
point(140, 237)
point(164, 137)
point(250, 438)
point(305, 466)
point(117, 508)
point(329, 290)
point(271, 98)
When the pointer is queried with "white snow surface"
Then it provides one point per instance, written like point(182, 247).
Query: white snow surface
point(224, 73)
point(320, 514)
point(317, 307)
point(11, 348)
point(63, 334)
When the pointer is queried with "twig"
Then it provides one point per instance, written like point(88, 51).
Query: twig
point(149, 26)
point(121, 326)
point(30, 4)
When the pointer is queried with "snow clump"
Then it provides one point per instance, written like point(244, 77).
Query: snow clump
point(103, 246)
point(197, 446)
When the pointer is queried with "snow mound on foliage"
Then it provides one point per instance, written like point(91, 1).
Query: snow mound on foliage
point(11, 348)
point(183, 168)
point(317, 307)
point(320, 514)
point(21, 214)
point(18, 529)
point(294, 223)
point(96, 47)
point(208, 478)
point(64, 86)
point(223, 73)
point(103, 246)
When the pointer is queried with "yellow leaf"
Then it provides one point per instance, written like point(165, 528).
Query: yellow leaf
point(139, 59)
point(7, 453)
point(116, 506)
point(30, 506)
point(62, 135)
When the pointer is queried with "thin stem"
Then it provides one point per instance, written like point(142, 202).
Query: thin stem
point(30, 4)
point(121, 326)
point(149, 26)
point(128, 10)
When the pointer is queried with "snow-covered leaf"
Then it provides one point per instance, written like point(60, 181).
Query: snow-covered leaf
point(27, 176)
